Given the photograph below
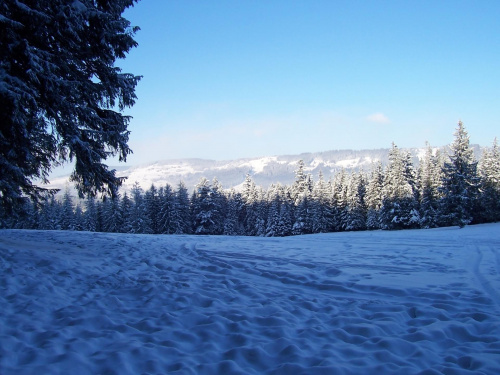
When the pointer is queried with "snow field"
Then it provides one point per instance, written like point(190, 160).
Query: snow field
point(406, 302)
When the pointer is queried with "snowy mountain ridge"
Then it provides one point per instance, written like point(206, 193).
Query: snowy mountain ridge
point(264, 170)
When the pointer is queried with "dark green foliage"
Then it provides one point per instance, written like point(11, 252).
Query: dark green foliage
point(61, 93)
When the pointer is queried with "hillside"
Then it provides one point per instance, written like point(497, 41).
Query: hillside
point(231, 173)
point(383, 302)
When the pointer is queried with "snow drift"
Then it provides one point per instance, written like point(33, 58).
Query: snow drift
point(406, 302)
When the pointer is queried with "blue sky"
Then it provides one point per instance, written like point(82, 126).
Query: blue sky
point(234, 79)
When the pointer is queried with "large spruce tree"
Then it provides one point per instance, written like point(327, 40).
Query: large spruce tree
point(399, 203)
point(61, 93)
point(460, 181)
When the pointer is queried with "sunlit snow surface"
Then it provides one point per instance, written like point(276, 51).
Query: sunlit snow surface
point(407, 302)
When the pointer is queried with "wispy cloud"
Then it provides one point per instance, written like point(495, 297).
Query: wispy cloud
point(378, 118)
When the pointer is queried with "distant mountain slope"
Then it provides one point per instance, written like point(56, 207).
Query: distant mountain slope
point(264, 170)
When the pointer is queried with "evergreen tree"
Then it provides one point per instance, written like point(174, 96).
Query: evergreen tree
point(300, 194)
point(67, 214)
point(261, 209)
point(90, 216)
point(354, 217)
point(152, 210)
point(373, 197)
point(60, 90)
point(112, 215)
point(279, 216)
point(301, 222)
point(285, 222)
point(231, 222)
point(101, 225)
point(303, 214)
point(273, 218)
point(339, 199)
point(219, 206)
point(460, 181)
point(301, 185)
point(489, 170)
point(284, 225)
point(321, 215)
point(78, 218)
point(429, 182)
point(127, 209)
point(248, 214)
point(203, 209)
point(167, 216)
point(182, 222)
point(139, 219)
point(22, 217)
point(399, 205)
point(3, 217)
point(50, 214)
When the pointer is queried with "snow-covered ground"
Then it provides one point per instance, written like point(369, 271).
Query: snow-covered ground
point(407, 302)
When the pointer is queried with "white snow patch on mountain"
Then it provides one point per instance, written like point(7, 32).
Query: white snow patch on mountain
point(157, 173)
point(231, 173)
point(259, 165)
point(253, 165)
point(349, 163)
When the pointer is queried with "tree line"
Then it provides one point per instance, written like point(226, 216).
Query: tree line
point(443, 190)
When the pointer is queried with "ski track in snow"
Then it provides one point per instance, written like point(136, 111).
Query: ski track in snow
point(407, 302)
point(478, 269)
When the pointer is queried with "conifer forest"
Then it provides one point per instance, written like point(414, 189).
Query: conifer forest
point(446, 189)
